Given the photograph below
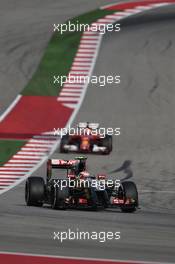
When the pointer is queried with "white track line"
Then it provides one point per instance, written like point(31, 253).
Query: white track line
point(34, 148)
point(10, 172)
point(14, 161)
point(38, 145)
point(21, 165)
point(25, 157)
point(10, 176)
point(9, 109)
point(7, 169)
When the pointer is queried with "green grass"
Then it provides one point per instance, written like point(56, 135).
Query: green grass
point(58, 57)
point(8, 148)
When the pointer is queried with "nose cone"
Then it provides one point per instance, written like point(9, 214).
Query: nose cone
point(85, 143)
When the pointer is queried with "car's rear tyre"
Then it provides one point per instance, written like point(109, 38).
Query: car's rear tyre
point(129, 191)
point(107, 142)
point(34, 191)
point(59, 197)
point(64, 141)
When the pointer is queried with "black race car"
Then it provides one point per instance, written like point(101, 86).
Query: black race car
point(65, 189)
point(74, 187)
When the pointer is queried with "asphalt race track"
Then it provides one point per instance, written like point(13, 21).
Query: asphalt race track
point(143, 106)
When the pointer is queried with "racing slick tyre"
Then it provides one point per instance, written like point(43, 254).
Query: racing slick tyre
point(34, 191)
point(129, 191)
point(64, 141)
point(59, 197)
point(107, 142)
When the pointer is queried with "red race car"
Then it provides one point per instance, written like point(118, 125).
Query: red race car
point(86, 139)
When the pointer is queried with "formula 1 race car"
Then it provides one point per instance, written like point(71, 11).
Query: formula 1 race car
point(73, 187)
point(86, 139)
point(63, 190)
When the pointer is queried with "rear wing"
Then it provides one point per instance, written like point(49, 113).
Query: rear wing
point(59, 164)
